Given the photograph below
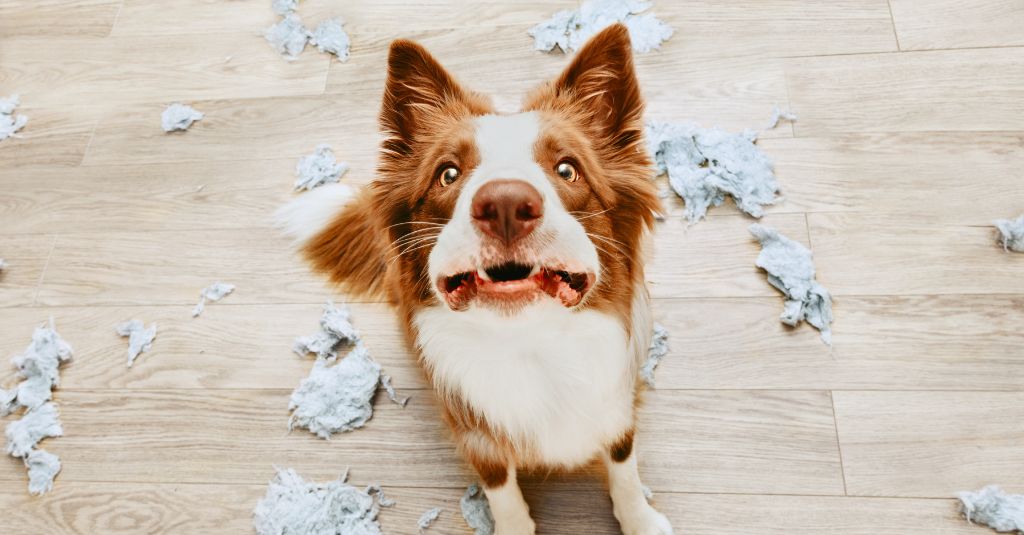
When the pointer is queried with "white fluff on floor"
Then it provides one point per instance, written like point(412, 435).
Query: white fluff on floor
point(569, 30)
point(996, 509)
point(3, 264)
point(705, 165)
point(36, 424)
point(657, 351)
point(43, 467)
point(477, 511)
point(779, 115)
point(9, 122)
point(140, 339)
point(179, 117)
point(288, 37)
point(284, 7)
point(427, 518)
point(293, 506)
point(1011, 233)
point(212, 293)
point(335, 329)
point(318, 169)
point(39, 366)
point(790, 268)
point(337, 396)
point(329, 36)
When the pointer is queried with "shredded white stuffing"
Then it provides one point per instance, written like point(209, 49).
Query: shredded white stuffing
point(569, 30)
point(2, 264)
point(318, 169)
point(991, 506)
point(43, 467)
point(329, 36)
point(427, 518)
point(36, 424)
point(284, 7)
point(337, 396)
point(9, 122)
point(704, 165)
point(335, 329)
point(790, 268)
point(477, 511)
point(179, 117)
point(1011, 233)
point(657, 351)
point(212, 293)
point(293, 506)
point(288, 37)
point(383, 500)
point(779, 115)
point(140, 339)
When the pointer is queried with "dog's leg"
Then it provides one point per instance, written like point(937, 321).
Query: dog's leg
point(511, 514)
point(635, 515)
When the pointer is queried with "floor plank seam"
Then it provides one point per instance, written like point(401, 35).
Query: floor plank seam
point(892, 20)
point(839, 443)
point(42, 275)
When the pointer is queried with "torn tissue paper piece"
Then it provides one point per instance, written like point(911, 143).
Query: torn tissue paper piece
point(284, 7)
point(706, 164)
point(178, 117)
point(1011, 234)
point(385, 381)
point(337, 395)
point(427, 518)
point(329, 36)
point(477, 511)
point(318, 169)
point(657, 351)
point(140, 339)
point(790, 268)
point(377, 490)
point(294, 506)
point(568, 30)
point(9, 122)
point(335, 329)
point(288, 37)
point(36, 424)
point(991, 506)
point(43, 466)
point(212, 293)
point(779, 115)
point(39, 366)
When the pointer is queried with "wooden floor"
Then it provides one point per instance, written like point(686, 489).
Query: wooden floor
point(910, 141)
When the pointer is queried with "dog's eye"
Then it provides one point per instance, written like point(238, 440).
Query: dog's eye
point(447, 175)
point(567, 171)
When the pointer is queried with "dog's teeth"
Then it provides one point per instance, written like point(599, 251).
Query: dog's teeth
point(535, 270)
point(482, 273)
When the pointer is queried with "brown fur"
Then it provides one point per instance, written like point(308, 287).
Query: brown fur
point(592, 113)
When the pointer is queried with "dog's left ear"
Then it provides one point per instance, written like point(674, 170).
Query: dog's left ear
point(601, 82)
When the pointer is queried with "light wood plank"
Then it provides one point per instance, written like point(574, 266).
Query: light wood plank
point(229, 346)
point(863, 254)
point(25, 258)
point(955, 342)
point(140, 17)
point(53, 137)
point(951, 24)
point(87, 508)
point(930, 444)
point(713, 258)
point(172, 196)
point(230, 436)
point(170, 268)
point(74, 17)
point(113, 72)
point(955, 90)
point(972, 177)
point(266, 128)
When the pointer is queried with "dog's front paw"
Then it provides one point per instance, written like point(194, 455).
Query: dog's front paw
point(644, 521)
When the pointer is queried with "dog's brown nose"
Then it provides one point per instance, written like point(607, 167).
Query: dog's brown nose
point(507, 209)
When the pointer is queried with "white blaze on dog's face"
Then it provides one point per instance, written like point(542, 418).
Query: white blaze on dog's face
point(510, 239)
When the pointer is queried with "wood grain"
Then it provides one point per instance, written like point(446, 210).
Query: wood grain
point(117, 71)
point(73, 17)
point(53, 137)
point(951, 24)
point(25, 259)
point(930, 444)
point(952, 90)
point(861, 254)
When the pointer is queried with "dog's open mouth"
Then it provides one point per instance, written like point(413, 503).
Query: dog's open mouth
point(513, 282)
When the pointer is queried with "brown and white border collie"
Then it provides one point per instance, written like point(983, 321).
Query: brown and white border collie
point(511, 245)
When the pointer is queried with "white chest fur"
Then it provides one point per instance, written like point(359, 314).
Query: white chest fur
point(558, 382)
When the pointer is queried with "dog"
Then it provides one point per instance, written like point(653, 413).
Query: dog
point(513, 248)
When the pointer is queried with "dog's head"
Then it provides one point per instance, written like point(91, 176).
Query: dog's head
point(499, 211)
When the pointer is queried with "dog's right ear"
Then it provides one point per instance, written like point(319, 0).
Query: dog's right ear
point(417, 91)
